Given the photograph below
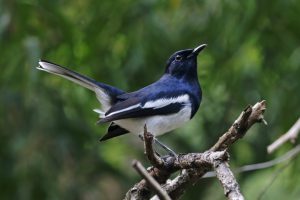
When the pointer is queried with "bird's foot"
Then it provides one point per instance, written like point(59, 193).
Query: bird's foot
point(166, 148)
point(143, 139)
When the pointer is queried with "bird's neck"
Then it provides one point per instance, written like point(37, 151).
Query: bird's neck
point(190, 76)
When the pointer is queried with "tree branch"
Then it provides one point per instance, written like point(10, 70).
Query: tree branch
point(150, 153)
point(263, 165)
point(291, 135)
point(228, 181)
point(195, 165)
point(250, 115)
point(163, 195)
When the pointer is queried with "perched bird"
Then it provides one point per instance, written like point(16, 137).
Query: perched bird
point(162, 106)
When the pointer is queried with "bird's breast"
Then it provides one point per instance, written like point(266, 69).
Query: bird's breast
point(158, 124)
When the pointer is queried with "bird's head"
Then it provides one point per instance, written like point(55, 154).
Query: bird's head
point(184, 63)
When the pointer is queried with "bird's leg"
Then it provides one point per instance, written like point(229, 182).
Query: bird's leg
point(170, 151)
point(143, 139)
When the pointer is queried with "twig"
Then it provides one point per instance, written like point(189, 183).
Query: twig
point(151, 155)
point(163, 195)
point(289, 155)
point(291, 135)
point(274, 177)
point(251, 115)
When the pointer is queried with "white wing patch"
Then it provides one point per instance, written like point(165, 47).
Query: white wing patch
point(123, 110)
point(164, 102)
point(155, 104)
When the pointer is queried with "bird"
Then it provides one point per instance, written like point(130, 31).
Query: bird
point(162, 106)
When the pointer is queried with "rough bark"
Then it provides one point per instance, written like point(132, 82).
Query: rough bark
point(194, 165)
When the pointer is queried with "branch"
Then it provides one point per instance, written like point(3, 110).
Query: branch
point(250, 116)
point(151, 155)
point(291, 135)
point(228, 181)
point(163, 195)
point(289, 155)
point(195, 165)
point(253, 167)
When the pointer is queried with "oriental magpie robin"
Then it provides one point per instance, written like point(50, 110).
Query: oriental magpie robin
point(162, 106)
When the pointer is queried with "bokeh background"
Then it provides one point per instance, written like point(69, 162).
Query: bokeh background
point(49, 146)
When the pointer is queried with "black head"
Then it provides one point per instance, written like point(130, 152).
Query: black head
point(184, 63)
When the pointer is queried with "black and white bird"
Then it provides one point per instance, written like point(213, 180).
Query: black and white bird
point(163, 106)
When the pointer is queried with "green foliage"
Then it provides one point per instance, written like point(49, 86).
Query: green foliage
point(49, 141)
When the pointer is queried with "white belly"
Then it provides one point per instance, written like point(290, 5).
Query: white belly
point(157, 125)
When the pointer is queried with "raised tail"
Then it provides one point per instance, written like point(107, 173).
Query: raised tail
point(106, 94)
point(68, 74)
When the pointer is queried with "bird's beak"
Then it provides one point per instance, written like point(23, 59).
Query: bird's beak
point(199, 48)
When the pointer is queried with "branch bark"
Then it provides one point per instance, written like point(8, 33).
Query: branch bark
point(194, 165)
point(163, 195)
point(228, 181)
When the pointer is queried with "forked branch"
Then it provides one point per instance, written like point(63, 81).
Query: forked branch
point(194, 165)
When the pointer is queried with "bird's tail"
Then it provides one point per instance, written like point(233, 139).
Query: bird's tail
point(68, 74)
point(105, 93)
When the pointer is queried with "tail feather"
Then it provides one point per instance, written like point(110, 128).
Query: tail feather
point(106, 94)
point(68, 74)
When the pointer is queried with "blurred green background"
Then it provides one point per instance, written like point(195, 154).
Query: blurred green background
point(49, 141)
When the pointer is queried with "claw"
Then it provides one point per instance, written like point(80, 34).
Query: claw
point(170, 151)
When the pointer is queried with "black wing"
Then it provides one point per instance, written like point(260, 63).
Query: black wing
point(135, 108)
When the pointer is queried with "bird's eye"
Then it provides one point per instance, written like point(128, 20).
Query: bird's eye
point(178, 58)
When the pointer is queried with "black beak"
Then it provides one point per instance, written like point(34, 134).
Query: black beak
point(199, 48)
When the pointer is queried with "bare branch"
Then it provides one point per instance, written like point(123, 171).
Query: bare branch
point(251, 115)
point(246, 119)
point(291, 135)
point(155, 160)
point(195, 165)
point(163, 195)
point(228, 181)
point(289, 155)
point(253, 167)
